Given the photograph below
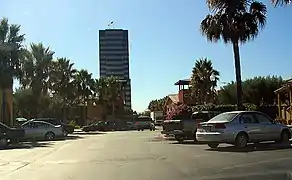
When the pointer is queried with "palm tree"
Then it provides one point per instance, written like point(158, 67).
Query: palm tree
point(234, 22)
point(204, 80)
point(36, 69)
point(114, 89)
point(36, 66)
point(281, 2)
point(85, 86)
point(11, 51)
point(61, 80)
point(108, 92)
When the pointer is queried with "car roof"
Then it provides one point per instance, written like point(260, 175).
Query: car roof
point(44, 122)
point(239, 112)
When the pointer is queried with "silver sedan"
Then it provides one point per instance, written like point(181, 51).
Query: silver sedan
point(240, 128)
point(42, 130)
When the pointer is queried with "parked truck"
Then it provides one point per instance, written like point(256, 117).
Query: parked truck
point(185, 129)
point(157, 117)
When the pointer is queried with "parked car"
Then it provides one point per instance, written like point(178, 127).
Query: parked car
point(42, 130)
point(144, 122)
point(9, 135)
point(242, 127)
point(100, 126)
point(67, 128)
point(185, 129)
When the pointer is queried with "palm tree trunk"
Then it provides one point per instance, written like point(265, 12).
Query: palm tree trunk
point(238, 75)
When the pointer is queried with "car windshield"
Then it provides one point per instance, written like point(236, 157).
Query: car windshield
point(223, 117)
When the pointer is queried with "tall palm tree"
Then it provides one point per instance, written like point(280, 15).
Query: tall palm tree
point(61, 79)
point(108, 92)
point(11, 51)
point(36, 69)
point(114, 89)
point(281, 2)
point(204, 80)
point(234, 22)
point(85, 86)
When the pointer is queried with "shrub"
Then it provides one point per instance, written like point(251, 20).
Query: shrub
point(179, 112)
point(222, 108)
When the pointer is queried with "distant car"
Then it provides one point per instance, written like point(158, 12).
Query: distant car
point(100, 126)
point(9, 135)
point(67, 128)
point(144, 122)
point(42, 130)
point(241, 127)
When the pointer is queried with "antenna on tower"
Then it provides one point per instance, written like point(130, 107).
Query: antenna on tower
point(111, 25)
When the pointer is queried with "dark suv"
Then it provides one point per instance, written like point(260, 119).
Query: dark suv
point(67, 128)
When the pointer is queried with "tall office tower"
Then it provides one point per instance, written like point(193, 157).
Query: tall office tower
point(114, 58)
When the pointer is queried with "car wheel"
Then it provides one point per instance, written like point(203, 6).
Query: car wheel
point(3, 142)
point(285, 139)
point(179, 139)
point(50, 136)
point(65, 133)
point(213, 145)
point(195, 138)
point(241, 140)
point(142, 129)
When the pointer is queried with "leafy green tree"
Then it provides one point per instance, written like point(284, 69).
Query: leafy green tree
point(257, 90)
point(11, 52)
point(203, 81)
point(234, 22)
point(157, 104)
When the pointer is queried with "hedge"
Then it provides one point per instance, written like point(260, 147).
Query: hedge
point(270, 110)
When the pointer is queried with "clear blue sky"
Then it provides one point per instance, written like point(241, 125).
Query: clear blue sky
point(165, 39)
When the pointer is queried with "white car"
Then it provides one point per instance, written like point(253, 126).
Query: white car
point(42, 130)
point(241, 127)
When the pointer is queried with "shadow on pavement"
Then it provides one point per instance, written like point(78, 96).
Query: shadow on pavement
point(251, 148)
point(89, 133)
point(189, 143)
point(28, 145)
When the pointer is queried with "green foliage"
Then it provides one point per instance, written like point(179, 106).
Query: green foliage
point(203, 81)
point(258, 90)
point(157, 104)
point(222, 108)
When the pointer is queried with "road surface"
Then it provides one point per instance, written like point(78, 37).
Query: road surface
point(139, 156)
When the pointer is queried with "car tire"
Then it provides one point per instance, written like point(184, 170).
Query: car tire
point(179, 139)
point(3, 142)
point(65, 133)
point(241, 140)
point(142, 129)
point(213, 145)
point(49, 136)
point(195, 138)
point(285, 139)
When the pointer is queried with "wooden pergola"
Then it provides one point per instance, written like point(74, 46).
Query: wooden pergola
point(285, 89)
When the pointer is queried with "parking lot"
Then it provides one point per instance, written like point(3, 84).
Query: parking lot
point(135, 155)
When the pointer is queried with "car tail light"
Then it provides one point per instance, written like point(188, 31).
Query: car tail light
point(220, 126)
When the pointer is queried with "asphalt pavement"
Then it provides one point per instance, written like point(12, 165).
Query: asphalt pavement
point(143, 155)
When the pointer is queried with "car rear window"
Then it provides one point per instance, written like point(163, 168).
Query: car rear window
point(223, 117)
